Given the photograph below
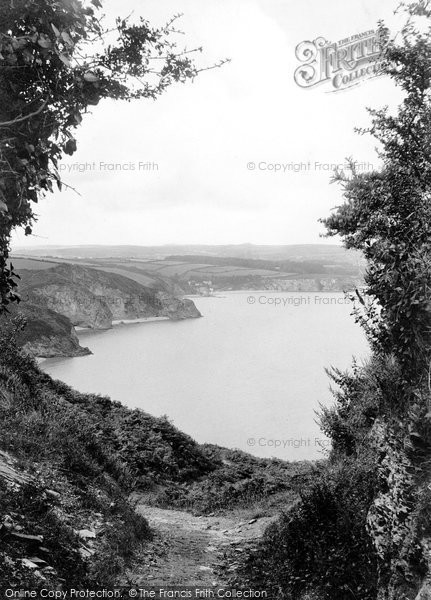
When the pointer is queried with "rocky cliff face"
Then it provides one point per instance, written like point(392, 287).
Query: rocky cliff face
point(176, 309)
point(93, 298)
point(280, 284)
point(47, 334)
point(83, 308)
point(86, 297)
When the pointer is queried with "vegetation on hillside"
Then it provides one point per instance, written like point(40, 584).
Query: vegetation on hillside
point(56, 61)
point(82, 456)
point(362, 529)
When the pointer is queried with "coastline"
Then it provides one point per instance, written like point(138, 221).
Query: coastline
point(122, 322)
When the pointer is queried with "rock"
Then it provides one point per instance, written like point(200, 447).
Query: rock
point(9, 470)
point(28, 563)
point(205, 569)
point(86, 552)
point(38, 561)
point(53, 494)
point(23, 537)
point(86, 534)
point(177, 309)
point(47, 333)
point(8, 522)
point(424, 592)
point(56, 300)
point(252, 521)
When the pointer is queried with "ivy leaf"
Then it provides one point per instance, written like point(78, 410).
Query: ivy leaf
point(18, 44)
point(66, 38)
point(70, 147)
point(44, 42)
point(90, 77)
point(64, 59)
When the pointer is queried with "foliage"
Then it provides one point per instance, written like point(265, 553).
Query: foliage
point(59, 447)
point(56, 61)
point(367, 506)
point(321, 544)
point(31, 510)
point(89, 434)
point(387, 213)
point(238, 481)
point(94, 452)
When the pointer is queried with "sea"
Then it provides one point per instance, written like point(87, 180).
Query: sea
point(250, 374)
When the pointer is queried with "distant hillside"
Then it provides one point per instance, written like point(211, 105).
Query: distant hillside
point(284, 266)
point(323, 252)
point(205, 269)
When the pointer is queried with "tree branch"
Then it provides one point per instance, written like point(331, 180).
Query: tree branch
point(26, 117)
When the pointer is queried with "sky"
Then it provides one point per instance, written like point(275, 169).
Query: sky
point(187, 159)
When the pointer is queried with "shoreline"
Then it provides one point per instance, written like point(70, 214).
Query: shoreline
point(118, 322)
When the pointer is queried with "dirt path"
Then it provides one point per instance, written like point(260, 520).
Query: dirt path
point(194, 551)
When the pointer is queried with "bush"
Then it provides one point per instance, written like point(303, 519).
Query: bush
point(321, 545)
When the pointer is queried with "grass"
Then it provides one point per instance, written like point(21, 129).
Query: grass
point(83, 455)
point(238, 481)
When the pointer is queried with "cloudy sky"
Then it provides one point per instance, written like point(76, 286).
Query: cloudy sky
point(199, 138)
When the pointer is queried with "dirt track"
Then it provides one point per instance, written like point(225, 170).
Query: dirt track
point(194, 551)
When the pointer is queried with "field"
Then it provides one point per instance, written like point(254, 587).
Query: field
point(30, 264)
point(190, 273)
point(151, 272)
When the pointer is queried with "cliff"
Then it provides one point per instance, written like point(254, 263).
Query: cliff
point(47, 333)
point(175, 308)
point(297, 283)
point(58, 299)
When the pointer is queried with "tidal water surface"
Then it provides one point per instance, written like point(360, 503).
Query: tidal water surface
point(249, 374)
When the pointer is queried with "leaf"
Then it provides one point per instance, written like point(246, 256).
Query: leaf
point(18, 44)
point(55, 30)
point(90, 77)
point(3, 207)
point(66, 38)
point(64, 59)
point(70, 147)
point(96, 3)
point(27, 55)
point(44, 42)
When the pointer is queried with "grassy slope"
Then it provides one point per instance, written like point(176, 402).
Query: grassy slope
point(84, 276)
point(84, 455)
